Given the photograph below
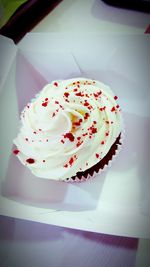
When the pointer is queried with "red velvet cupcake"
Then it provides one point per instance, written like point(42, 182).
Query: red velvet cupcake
point(70, 131)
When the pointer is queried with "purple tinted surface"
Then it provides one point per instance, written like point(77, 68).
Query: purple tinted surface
point(25, 243)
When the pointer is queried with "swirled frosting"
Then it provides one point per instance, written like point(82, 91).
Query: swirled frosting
point(68, 127)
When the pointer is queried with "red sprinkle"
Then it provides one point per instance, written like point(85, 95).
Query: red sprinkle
point(84, 134)
point(117, 106)
point(55, 83)
point(102, 143)
point(97, 94)
point(30, 161)
point(45, 104)
point(107, 133)
point(86, 104)
point(103, 108)
point(66, 94)
point(115, 97)
point(113, 109)
point(92, 129)
point(79, 144)
point(66, 166)
point(46, 99)
point(78, 123)
point(79, 94)
point(62, 141)
point(97, 155)
point(69, 136)
point(79, 137)
point(16, 151)
point(86, 116)
point(56, 102)
point(71, 161)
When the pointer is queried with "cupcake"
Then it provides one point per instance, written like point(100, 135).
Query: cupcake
point(70, 131)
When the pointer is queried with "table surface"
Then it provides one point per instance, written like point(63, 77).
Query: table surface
point(24, 243)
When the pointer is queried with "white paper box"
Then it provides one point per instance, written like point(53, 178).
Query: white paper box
point(115, 202)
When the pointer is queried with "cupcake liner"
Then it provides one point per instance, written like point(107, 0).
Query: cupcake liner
point(76, 179)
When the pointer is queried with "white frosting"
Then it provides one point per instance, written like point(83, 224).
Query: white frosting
point(68, 127)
